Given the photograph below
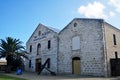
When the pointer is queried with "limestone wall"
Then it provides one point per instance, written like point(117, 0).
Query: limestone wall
point(89, 39)
point(110, 47)
point(91, 47)
point(45, 53)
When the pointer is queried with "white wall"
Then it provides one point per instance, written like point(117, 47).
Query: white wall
point(90, 49)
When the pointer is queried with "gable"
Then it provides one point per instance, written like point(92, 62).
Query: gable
point(73, 26)
point(40, 32)
point(76, 23)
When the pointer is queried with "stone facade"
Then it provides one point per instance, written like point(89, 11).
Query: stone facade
point(41, 36)
point(84, 47)
point(91, 47)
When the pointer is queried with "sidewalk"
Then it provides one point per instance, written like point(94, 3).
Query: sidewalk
point(34, 76)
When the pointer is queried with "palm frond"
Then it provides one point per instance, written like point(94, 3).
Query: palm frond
point(11, 46)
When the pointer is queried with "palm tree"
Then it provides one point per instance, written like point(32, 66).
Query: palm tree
point(12, 50)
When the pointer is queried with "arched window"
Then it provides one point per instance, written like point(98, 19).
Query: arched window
point(39, 33)
point(30, 48)
point(75, 28)
point(76, 43)
point(75, 24)
point(38, 49)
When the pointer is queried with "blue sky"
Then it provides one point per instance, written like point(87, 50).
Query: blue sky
point(19, 18)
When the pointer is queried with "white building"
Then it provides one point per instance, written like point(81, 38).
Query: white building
point(43, 44)
point(84, 47)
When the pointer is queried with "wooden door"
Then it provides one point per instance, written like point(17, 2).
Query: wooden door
point(76, 66)
point(38, 65)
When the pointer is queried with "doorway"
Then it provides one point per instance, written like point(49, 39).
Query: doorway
point(38, 65)
point(76, 65)
point(115, 67)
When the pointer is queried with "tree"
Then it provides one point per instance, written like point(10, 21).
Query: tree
point(12, 50)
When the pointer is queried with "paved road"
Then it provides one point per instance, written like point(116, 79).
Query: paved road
point(34, 76)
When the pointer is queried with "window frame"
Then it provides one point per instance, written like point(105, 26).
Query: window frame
point(38, 48)
point(114, 39)
point(30, 61)
point(49, 44)
point(75, 24)
point(39, 33)
point(30, 48)
point(116, 55)
point(48, 65)
point(76, 46)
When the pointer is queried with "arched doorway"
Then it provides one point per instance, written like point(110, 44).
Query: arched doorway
point(76, 65)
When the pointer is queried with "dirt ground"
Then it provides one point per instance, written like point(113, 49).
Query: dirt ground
point(34, 76)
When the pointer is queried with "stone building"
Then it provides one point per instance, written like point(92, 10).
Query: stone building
point(3, 64)
point(43, 44)
point(84, 47)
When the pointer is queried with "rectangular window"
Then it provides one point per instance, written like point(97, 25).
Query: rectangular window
point(114, 39)
point(48, 66)
point(29, 63)
point(30, 48)
point(116, 55)
point(49, 44)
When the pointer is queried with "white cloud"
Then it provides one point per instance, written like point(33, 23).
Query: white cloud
point(111, 14)
point(95, 10)
point(116, 4)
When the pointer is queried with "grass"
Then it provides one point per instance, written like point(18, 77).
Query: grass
point(5, 77)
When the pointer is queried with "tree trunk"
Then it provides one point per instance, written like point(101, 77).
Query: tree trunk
point(8, 69)
point(9, 64)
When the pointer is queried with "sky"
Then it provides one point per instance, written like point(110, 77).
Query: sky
point(19, 18)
